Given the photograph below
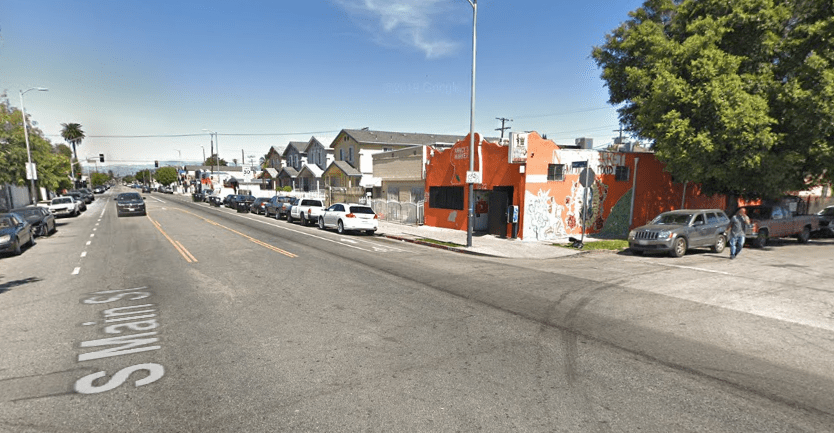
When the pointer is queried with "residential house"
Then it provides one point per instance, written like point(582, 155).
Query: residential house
point(304, 164)
point(353, 150)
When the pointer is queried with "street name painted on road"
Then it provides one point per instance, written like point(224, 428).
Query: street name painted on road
point(139, 318)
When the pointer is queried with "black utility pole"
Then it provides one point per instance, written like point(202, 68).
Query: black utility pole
point(502, 128)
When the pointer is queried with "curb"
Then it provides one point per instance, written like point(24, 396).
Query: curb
point(434, 245)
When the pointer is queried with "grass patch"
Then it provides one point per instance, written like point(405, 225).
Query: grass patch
point(609, 245)
point(435, 241)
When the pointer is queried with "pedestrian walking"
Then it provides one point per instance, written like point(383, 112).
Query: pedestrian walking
point(735, 231)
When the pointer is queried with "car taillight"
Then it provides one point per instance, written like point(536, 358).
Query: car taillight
point(350, 215)
point(376, 217)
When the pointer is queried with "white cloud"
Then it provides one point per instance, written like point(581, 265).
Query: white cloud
point(414, 23)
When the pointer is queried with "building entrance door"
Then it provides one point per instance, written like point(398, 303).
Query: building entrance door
point(499, 200)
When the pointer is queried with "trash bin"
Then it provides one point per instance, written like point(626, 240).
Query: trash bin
point(194, 197)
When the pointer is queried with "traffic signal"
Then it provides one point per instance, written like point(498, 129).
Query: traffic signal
point(156, 164)
point(100, 157)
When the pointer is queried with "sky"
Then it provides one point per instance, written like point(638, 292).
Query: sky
point(146, 79)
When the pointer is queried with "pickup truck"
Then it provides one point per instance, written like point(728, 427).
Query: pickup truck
point(307, 210)
point(778, 221)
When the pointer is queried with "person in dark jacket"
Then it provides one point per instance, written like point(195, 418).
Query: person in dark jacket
point(736, 229)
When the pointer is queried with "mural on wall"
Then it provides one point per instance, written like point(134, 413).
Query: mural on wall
point(543, 217)
point(616, 225)
point(577, 215)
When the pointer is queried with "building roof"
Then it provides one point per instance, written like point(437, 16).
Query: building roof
point(366, 136)
point(271, 172)
point(300, 146)
point(289, 171)
point(312, 169)
point(216, 168)
point(345, 168)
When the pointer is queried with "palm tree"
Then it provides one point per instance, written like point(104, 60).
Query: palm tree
point(73, 134)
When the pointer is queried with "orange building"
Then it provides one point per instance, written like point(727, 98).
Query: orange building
point(550, 186)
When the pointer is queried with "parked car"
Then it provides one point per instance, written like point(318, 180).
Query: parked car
point(241, 202)
point(348, 217)
point(167, 190)
point(228, 200)
point(64, 206)
point(677, 231)
point(147, 189)
point(88, 193)
point(130, 203)
point(274, 204)
point(81, 195)
point(307, 210)
point(77, 196)
point(259, 205)
point(15, 232)
point(41, 219)
point(827, 221)
point(778, 221)
point(99, 189)
point(284, 210)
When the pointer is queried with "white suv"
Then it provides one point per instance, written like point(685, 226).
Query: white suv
point(347, 216)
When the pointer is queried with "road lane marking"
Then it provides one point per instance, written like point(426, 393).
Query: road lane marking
point(83, 254)
point(92, 235)
point(339, 242)
point(691, 268)
point(177, 246)
point(250, 238)
point(89, 242)
point(76, 271)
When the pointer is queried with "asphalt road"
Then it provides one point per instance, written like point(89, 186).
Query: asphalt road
point(200, 319)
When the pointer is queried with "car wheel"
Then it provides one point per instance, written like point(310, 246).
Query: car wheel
point(303, 220)
point(44, 230)
point(679, 247)
point(720, 244)
point(289, 218)
point(636, 252)
point(31, 239)
point(761, 239)
point(804, 236)
point(321, 223)
point(17, 250)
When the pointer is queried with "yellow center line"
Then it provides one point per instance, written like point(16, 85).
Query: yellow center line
point(178, 246)
point(257, 241)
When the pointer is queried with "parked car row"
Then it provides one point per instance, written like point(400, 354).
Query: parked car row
point(675, 232)
point(20, 226)
point(343, 217)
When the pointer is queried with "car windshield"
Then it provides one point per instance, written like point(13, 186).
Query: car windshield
point(128, 196)
point(27, 212)
point(61, 200)
point(673, 218)
point(361, 209)
point(827, 212)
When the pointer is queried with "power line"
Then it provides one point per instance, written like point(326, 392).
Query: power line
point(269, 134)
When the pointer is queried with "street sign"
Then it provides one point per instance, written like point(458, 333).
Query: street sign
point(31, 171)
point(474, 177)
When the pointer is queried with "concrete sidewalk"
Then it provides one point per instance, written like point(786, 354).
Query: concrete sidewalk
point(489, 245)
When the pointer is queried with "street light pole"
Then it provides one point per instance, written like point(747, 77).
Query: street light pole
point(471, 219)
point(31, 172)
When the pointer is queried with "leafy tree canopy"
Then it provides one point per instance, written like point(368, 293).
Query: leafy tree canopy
point(212, 160)
point(166, 175)
point(737, 95)
point(53, 168)
point(99, 178)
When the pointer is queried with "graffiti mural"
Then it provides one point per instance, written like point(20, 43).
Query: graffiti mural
point(590, 215)
point(543, 217)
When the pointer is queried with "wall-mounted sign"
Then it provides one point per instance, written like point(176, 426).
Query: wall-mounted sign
point(518, 148)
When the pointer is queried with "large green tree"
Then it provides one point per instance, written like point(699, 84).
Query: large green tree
point(52, 167)
point(736, 95)
point(213, 160)
point(166, 175)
